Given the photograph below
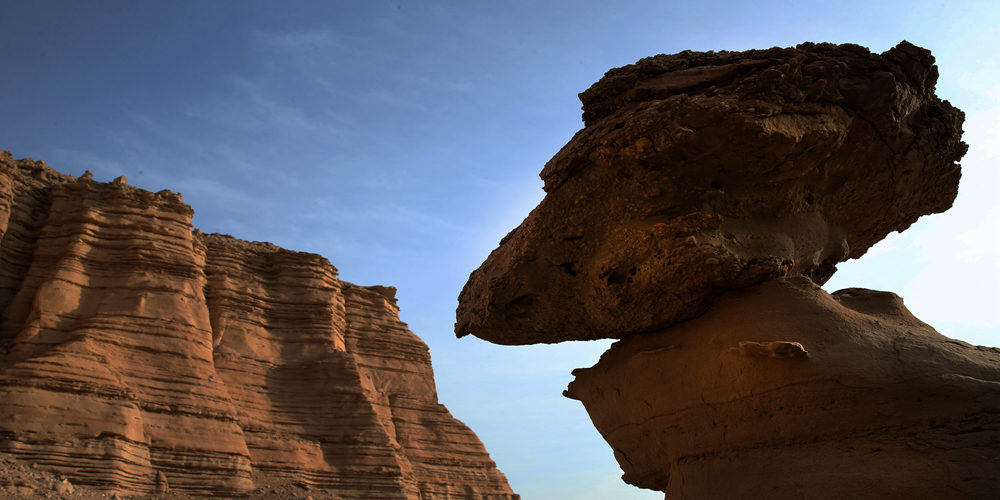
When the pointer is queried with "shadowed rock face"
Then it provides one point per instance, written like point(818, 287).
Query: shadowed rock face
point(137, 353)
point(698, 173)
point(782, 390)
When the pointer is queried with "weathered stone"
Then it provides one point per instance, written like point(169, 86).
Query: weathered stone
point(134, 349)
point(698, 173)
point(693, 216)
point(873, 403)
point(63, 487)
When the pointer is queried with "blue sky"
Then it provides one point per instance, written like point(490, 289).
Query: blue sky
point(403, 139)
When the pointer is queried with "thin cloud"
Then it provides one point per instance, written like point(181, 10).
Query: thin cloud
point(394, 215)
point(221, 193)
point(252, 107)
point(304, 41)
point(75, 161)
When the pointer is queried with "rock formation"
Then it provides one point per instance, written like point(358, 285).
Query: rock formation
point(782, 388)
point(694, 217)
point(138, 355)
point(699, 173)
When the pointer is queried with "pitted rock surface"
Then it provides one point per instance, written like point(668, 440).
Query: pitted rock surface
point(699, 173)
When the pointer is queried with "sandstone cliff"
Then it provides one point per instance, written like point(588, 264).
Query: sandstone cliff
point(139, 355)
point(693, 217)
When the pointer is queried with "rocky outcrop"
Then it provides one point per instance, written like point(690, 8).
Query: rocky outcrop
point(783, 389)
point(694, 217)
point(139, 355)
point(699, 173)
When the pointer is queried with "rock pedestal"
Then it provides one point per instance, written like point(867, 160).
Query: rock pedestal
point(782, 389)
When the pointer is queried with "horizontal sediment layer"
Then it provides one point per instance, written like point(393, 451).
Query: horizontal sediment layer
point(138, 354)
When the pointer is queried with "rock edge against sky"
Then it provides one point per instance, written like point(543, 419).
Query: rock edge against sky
point(694, 217)
point(138, 355)
point(699, 173)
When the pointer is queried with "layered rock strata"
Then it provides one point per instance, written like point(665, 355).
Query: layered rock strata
point(139, 355)
point(698, 173)
point(694, 217)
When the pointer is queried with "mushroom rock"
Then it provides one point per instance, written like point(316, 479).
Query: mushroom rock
point(699, 173)
point(782, 390)
point(693, 218)
point(139, 355)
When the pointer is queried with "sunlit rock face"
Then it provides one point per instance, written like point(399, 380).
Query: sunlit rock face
point(137, 353)
point(698, 173)
point(782, 389)
point(694, 218)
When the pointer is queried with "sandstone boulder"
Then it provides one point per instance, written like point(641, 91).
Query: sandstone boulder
point(784, 391)
point(698, 173)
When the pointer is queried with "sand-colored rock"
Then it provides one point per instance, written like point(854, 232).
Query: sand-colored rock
point(698, 173)
point(284, 325)
point(785, 391)
point(140, 356)
point(693, 218)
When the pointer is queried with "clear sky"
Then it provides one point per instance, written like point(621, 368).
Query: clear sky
point(403, 139)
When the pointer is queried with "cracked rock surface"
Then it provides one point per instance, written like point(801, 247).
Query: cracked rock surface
point(699, 173)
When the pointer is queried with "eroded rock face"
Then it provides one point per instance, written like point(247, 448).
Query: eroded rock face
point(136, 352)
point(720, 189)
point(782, 390)
point(698, 173)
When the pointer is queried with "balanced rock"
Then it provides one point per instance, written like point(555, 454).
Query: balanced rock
point(698, 173)
point(784, 391)
point(135, 349)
